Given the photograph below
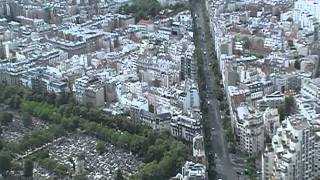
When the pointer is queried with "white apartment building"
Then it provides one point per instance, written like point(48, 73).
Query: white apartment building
point(305, 11)
point(311, 88)
point(290, 156)
point(308, 107)
point(192, 171)
point(274, 42)
point(185, 127)
point(198, 150)
point(271, 121)
point(79, 87)
point(273, 100)
point(192, 100)
point(188, 64)
point(249, 129)
point(316, 167)
point(267, 159)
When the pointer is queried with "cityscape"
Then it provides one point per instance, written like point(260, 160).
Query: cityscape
point(159, 89)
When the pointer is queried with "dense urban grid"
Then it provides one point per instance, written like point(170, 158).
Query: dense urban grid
point(160, 89)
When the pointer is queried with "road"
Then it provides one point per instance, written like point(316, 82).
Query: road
point(224, 166)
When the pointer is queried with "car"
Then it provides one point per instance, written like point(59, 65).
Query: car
point(204, 52)
point(212, 129)
point(209, 102)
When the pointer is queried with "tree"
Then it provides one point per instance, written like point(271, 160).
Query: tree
point(119, 175)
point(100, 147)
point(286, 108)
point(80, 177)
point(28, 168)
point(14, 102)
point(5, 163)
point(51, 98)
point(26, 119)
point(289, 104)
point(250, 168)
point(116, 129)
point(281, 112)
point(219, 93)
point(142, 9)
point(5, 118)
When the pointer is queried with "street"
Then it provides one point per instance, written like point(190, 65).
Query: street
point(224, 166)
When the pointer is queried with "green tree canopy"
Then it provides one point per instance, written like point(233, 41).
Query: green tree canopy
point(286, 108)
point(5, 162)
point(5, 118)
point(119, 175)
point(80, 177)
point(26, 119)
point(142, 9)
point(100, 147)
point(28, 168)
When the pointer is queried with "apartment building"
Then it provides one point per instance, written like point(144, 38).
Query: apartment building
point(188, 64)
point(192, 171)
point(249, 129)
point(292, 152)
point(311, 88)
point(185, 127)
point(271, 121)
point(159, 122)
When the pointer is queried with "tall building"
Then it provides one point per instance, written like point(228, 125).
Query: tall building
point(305, 11)
point(271, 121)
point(292, 151)
point(249, 129)
point(316, 157)
point(188, 64)
point(267, 159)
point(192, 99)
point(198, 149)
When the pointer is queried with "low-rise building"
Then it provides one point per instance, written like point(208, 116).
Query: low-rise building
point(192, 171)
